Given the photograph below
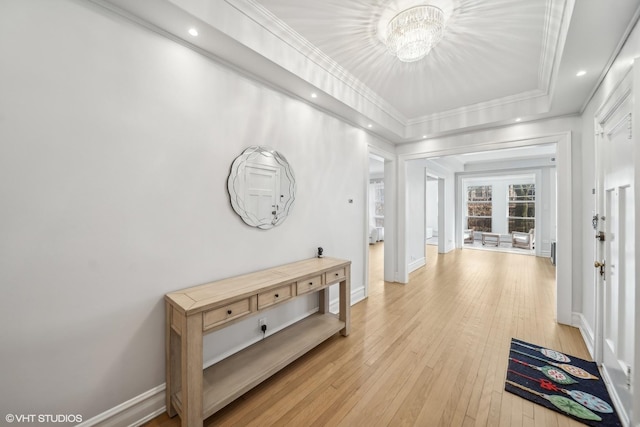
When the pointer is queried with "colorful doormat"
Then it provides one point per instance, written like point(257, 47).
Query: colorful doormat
point(563, 383)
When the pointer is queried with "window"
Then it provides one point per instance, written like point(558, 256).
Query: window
point(479, 208)
point(522, 209)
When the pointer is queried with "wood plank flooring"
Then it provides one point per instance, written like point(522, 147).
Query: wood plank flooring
point(432, 352)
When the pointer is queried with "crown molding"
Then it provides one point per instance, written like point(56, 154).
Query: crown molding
point(267, 20)
point(556, 28)
point(479, 107)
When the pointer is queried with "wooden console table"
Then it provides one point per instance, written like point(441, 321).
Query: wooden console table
point(195, 394)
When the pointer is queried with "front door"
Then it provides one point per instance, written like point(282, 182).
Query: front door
point(615, 252)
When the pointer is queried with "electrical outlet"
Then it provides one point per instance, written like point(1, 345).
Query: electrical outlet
point(262, 321)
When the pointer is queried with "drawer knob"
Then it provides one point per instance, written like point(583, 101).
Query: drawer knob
point(229, 311)
point(277, 295)
point(310, 283)
point(337, 274)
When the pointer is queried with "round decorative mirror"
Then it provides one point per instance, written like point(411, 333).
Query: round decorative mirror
point(261, 187)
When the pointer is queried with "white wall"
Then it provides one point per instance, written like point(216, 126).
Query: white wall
point(416, 179)
point(115, 145)
point(447, 203)
point(432, 204)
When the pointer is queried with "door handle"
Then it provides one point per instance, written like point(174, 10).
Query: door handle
point(600, 236)
point(600, 265)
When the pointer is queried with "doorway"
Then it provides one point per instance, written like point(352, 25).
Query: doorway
point(375, 222)
point(431, 210)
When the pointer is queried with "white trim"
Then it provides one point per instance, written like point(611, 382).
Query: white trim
point(615, 399)
point(357, 296)
point(414, 265)
point(133, 412)
point(565, 235)
point(507, 101)
point(588, 336)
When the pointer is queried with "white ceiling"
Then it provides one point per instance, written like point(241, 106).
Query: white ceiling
point(499, 60)
point(491, 49)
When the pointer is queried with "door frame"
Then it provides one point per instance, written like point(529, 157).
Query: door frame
point(389, 217)
point(568, 234)
point(428, 175)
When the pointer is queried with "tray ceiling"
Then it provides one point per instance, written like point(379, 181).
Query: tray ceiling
point(491, 49)
point(499, 60)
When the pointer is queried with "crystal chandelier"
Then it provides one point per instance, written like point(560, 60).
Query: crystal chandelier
point(412, 34)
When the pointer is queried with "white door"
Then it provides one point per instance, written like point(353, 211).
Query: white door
point(616, 250)
point(262, 188)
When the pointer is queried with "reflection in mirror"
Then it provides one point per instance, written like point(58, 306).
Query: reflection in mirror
point(261, 187)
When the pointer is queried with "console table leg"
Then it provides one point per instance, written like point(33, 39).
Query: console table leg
point(345, 302)
point(323, 300)
point(191, 362)
point(172, 360)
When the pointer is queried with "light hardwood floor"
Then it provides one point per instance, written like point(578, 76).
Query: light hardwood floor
point(432, 352)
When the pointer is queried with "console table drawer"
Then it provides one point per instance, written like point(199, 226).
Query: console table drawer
point(269, 298)
point(310, 284)
point(218, 316)
point(335, 275)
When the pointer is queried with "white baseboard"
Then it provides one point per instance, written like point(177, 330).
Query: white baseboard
point(133, 412)
point(358, 295)
point(588, 336)
point(624, 417)
point(413, 266)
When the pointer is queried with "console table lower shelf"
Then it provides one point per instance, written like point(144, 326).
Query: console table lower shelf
point(230, 378)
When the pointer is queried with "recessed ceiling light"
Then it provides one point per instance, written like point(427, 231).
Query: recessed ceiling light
point(424, 136)
point(193, 32)
point(369, 125)
point(314, 95)
point(518, 119)
point(581, 73)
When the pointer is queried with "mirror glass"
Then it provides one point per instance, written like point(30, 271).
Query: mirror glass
point(261, 187)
